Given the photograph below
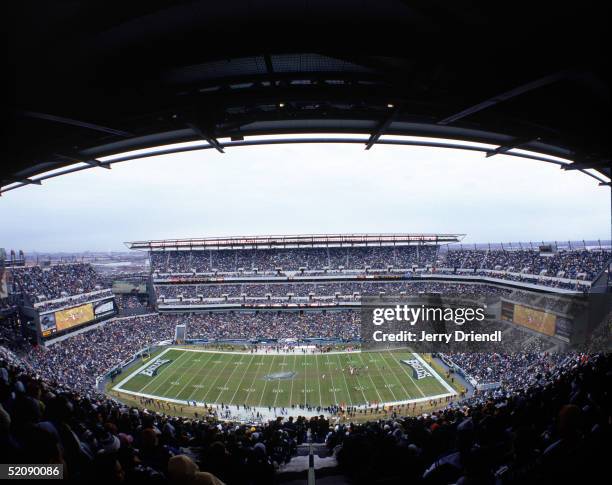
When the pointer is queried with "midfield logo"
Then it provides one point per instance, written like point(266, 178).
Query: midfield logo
point(279, 376)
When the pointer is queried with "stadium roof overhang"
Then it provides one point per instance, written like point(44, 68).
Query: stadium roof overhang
point(97, 85)
point(294, 241)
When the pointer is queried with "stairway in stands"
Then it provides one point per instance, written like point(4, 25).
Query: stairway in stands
point(313, 463)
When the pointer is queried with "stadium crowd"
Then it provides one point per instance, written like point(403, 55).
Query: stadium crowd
point(74, 300)
point(291, 259)
point(44, 421)
point(548, 417)
point(563, 269)
point(344, 288)
point(512, 371)
point(555, 430)
point(78, 360)
point(132, 304)
point(572, 264)
point(58, 281)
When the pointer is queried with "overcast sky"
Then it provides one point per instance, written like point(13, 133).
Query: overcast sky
point(293, 189)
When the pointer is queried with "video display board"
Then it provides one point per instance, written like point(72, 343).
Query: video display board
point(74, 316)
point(104, 308)
point(528, 317)
point(537, 320)
point(47, 324)
point(70, 318)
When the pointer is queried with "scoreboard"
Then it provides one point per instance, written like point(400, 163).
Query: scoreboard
point(73, 317)
point(68, 319)
point(538, 320)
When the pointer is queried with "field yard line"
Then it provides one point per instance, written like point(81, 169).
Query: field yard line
point(179, 370)
point(255, 374)
point(348, 391)
point(380, 399)
point(292, 381)
point(408, 374)
point(319, 380)
point(263, 391)
point(279, 381)
point(162, 380)
point(193, 377)
point(365, 398)
point(332, 381)
point(141, 368)
point(408, 395)
point(305, 379)
point(214, 383)
point(242, 378)
point(180, 401)
point(229, 378)
point(394, 376)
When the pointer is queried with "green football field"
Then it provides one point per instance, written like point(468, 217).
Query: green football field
point(282, 380)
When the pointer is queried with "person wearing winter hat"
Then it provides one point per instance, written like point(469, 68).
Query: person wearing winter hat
point(109, 443)
point(183, 471)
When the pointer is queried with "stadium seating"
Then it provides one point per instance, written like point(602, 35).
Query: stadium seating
point(557, 428)
point(545, 411)
point(291, 259)
point(570, 264)
point(565, 269)
point(58, 281)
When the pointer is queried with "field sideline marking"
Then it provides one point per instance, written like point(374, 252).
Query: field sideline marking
point(435, 374)
point(180, 401)
point(264, 354)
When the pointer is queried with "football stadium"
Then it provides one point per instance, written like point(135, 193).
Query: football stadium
point(336, 357)
point(265, 333)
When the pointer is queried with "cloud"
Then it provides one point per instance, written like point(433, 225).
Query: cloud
point(306, 189)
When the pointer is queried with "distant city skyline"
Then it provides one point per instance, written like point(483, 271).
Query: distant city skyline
point(306, 189)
